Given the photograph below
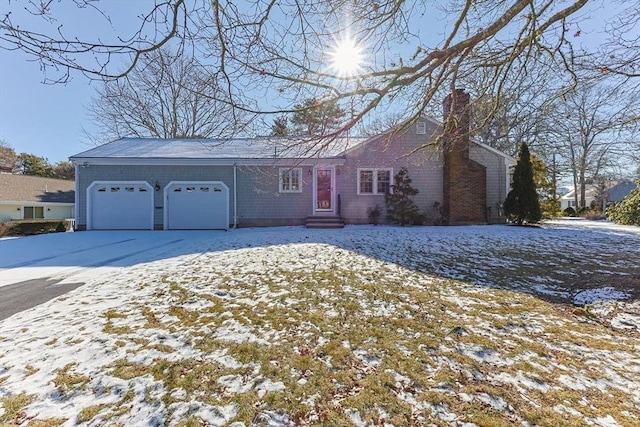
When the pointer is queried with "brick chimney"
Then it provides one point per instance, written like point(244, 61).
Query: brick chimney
point(465, 181)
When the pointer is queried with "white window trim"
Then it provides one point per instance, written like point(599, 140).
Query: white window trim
point(289, 171)
point(375, 181)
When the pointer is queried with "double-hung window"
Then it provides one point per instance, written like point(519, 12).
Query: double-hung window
point(290, 180)
point(374, 181)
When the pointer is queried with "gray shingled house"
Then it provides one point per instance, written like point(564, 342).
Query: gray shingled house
point(34, 197)
point(134, 183)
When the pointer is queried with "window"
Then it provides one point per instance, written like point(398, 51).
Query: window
point(290, 180)
point(33, 212)
point(374, 181)
point(421, 128)
point(384, 181)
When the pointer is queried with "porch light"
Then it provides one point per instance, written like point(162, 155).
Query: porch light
point(310, 171)
point(157, 186)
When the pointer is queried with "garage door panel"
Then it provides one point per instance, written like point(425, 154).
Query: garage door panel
point(121, 206)
point(197, 206)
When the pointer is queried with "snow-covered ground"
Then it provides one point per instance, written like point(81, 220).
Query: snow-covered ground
point(287, 326)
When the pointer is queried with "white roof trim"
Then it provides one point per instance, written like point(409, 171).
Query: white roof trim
point(26, 202)
point(89, 161)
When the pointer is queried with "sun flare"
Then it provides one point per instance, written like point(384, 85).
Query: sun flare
point(347, 57)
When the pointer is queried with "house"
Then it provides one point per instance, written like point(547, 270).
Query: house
point(33, 197)
point(619, 190)
point(134, 183)
point(614, 192)
point(569, 199)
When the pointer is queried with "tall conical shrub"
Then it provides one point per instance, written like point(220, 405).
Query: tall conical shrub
point(522, 203)
point(401, 209)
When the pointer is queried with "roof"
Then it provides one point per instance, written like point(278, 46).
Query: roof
point(26, 188)
point(615, 192)
point(620, 190)
point(212, 149)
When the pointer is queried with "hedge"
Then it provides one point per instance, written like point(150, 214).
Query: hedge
point(28, 227)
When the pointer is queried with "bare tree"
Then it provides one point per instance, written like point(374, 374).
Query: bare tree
point(594, 126)
point(620, 54)
point(504, 117)
point(269, 54)
point(165, 96)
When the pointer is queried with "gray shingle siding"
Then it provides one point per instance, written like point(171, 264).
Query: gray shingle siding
point(497, 186)
point(261, 204)
point(259, 199)
point(390, 151)
point(162, 174)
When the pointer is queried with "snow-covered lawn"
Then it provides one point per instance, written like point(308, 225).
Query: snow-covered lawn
point(360, 326)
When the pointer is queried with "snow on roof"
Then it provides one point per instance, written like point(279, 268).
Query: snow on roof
point(238, 148)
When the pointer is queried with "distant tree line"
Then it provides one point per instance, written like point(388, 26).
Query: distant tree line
point(31, 164)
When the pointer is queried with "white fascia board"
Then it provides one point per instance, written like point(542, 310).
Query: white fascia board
point(80, 161)
point(27, 202)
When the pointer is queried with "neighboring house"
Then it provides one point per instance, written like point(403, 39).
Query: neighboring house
point(569, 199)
point(29, 197)
point(619, 190)
point(136, 183)
point(616, 191)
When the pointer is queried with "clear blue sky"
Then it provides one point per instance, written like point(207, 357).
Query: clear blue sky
point(45, 120)
point(48, 120)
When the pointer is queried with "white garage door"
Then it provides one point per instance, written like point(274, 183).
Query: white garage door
point(197, 206)
point(120, 206)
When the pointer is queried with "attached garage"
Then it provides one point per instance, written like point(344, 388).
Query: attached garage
point(120, 205)
point(196, 205)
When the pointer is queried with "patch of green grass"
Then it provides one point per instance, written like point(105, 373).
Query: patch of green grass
point(128, 370)
point(114, 314)
point(68, 382)
point(162, 348)
point(151, 318)
point(13, 405)
point(140, 341)
point(49, 422)
point(110, 328)
point(89, 413)
point(192, 421)
point(30, 370)
point(186, 317)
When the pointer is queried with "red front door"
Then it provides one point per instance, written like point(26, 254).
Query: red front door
point(323, 190)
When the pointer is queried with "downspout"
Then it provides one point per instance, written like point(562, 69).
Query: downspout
point(76, 198)
point(235, 196)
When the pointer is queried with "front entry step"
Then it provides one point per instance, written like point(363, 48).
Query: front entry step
point(324, 222)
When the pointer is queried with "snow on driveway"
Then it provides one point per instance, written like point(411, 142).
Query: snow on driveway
point(90, 356)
